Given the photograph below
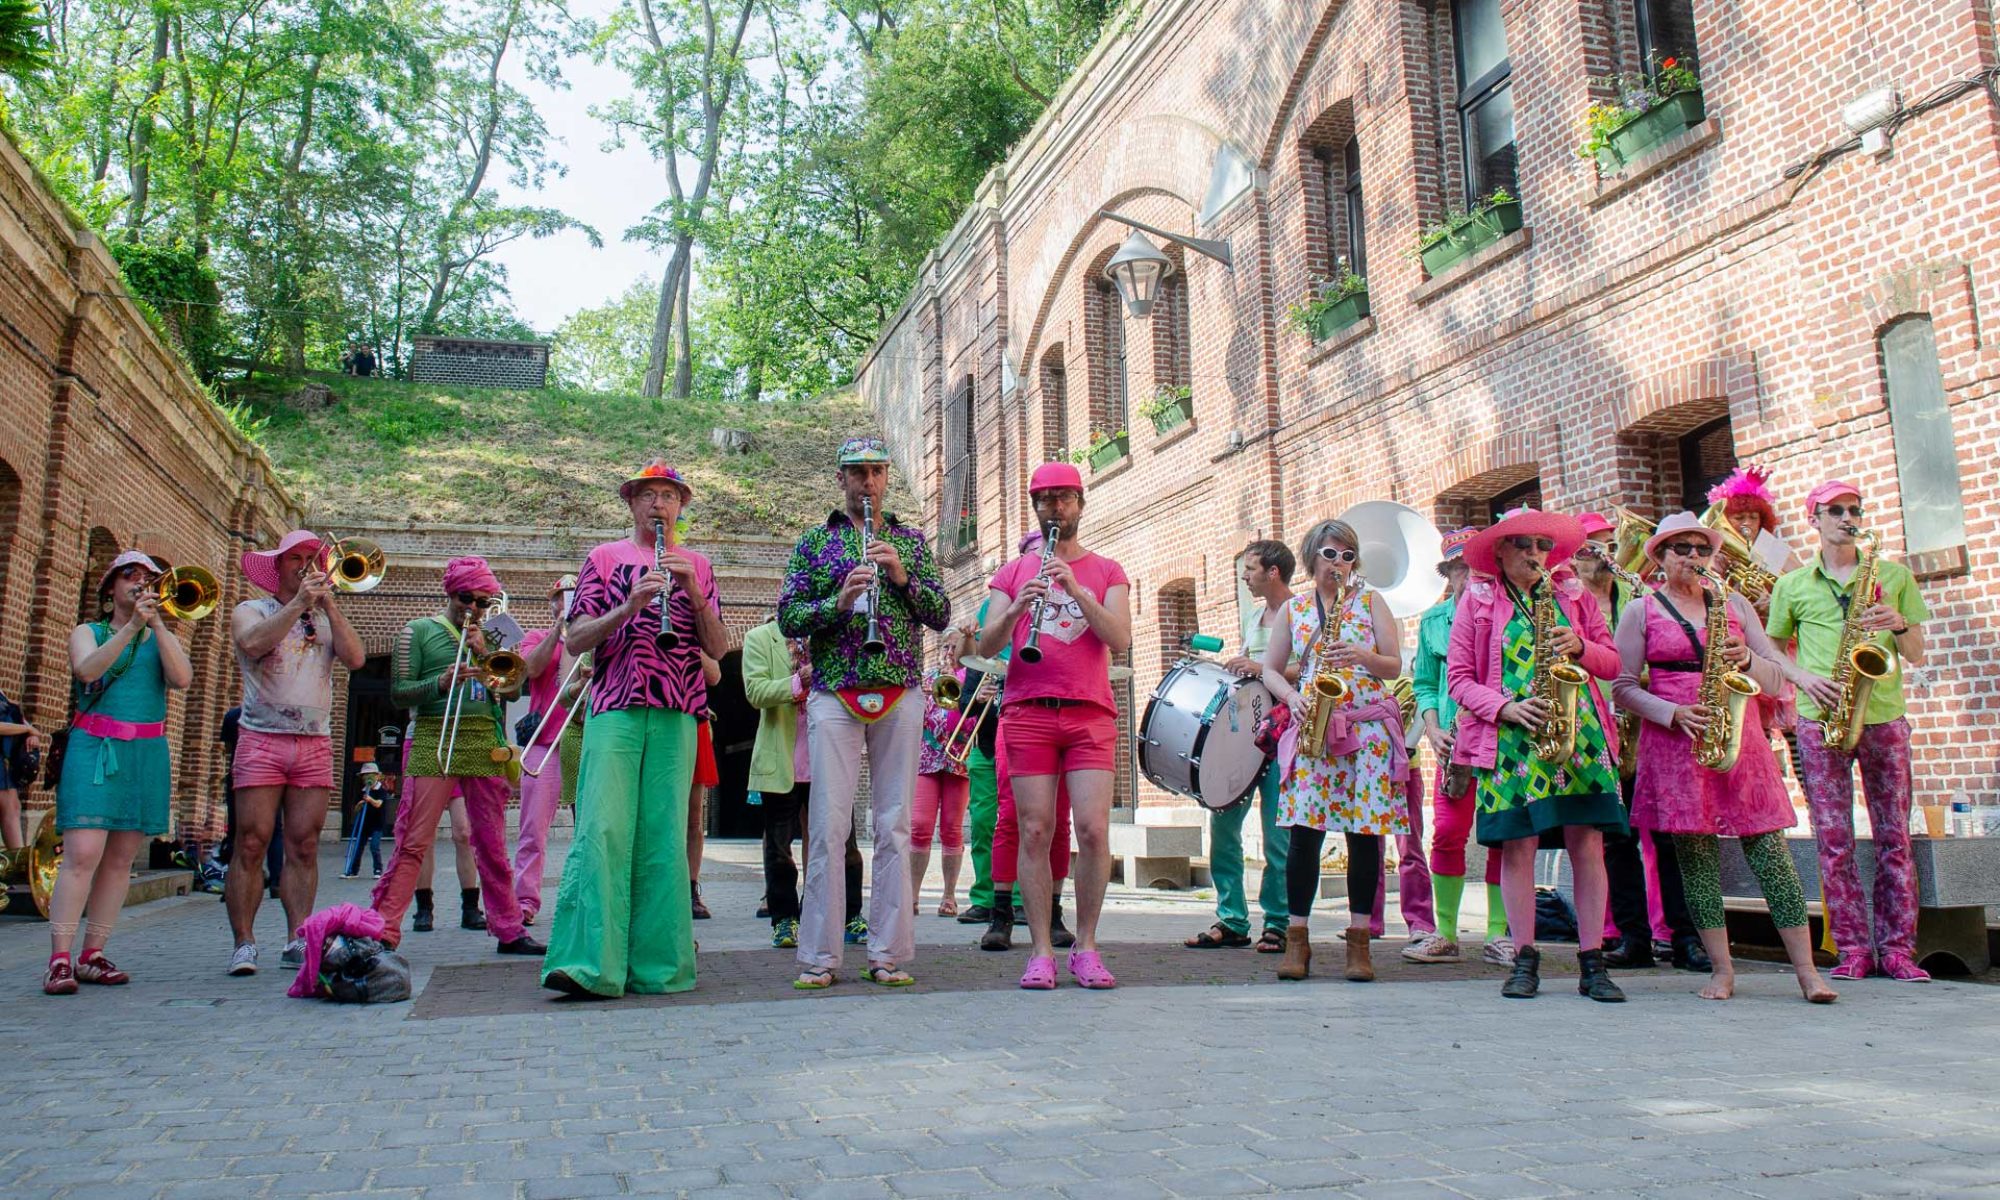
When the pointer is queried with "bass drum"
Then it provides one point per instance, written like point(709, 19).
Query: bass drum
point(1199, 735)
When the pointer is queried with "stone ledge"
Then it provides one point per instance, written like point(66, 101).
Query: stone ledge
point(1940, 564)
point(1340, 341)
point(1654, 161)
point(1480, 260)
point(1177, 434)
point(1116, 469)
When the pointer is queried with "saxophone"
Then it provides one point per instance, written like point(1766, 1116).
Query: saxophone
point(1329, 689)
point(1859, 662)
point(1725, 691)
point(1556, 680)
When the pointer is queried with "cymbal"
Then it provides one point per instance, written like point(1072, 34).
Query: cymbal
point(986, 666)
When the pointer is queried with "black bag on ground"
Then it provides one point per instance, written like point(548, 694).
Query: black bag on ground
point(362, 970)
point(1555, 920)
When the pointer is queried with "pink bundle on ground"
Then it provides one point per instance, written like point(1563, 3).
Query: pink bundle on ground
point(350, 920)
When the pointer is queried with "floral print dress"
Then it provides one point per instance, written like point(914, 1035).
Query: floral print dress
point(1354, 793)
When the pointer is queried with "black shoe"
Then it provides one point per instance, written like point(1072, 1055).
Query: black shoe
point(763, 908)
point(978, 914)
point(425, 913)
point(1596, 981)
point(469, 915)
point(1059, 934)
point(1630, 954)
point(999, 933)
point(700, 910)
point(523, 945)
point(559, 982)
point(1690, 956)
point(1525, 979)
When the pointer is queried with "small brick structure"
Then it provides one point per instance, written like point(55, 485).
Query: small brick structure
point(479, 363)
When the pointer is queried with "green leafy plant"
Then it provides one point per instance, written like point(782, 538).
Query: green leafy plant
point(1322, 295)
point(1170, 396)
point(1459, 218)
point(1638, 93)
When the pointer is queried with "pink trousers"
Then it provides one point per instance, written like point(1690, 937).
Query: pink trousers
point(938, 810)
point(425, 799)
point(1454, 828)
point(1413, 873)
point(540, 795)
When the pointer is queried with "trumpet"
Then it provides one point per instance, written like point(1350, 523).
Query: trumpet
point(188, 593)
point(353, 564)
point(975, 705)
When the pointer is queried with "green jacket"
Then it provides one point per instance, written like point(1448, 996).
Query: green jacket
point(424, 652)
point(767, 681)
point(1427, 671)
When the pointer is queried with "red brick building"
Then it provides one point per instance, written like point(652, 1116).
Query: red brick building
point(1760, 285)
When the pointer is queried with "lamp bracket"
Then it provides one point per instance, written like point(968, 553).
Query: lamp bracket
point(1207, 248)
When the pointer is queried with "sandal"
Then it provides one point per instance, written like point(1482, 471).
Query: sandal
point(1272, 942)
point(1218, 937)
point(887, 975)
point(1090, 971)
point(814, 979)
point(1040, 975)
point(947, 908)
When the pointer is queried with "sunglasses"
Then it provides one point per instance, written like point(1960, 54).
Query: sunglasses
point(308, 630)
point(470, 601)
point(1521, 541)
point(1841, 510)
point(1336, 554)
point(1698, 549)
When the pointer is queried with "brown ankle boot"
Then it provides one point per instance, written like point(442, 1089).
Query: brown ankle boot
point(1360, 967)
point(1297, 963)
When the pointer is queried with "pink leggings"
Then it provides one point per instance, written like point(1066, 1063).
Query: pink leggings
point(1007, 828)
point(1454, 828)
point(939, 808)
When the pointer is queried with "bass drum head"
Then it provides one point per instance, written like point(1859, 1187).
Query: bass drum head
point(1228, 762)
point(1198, 736)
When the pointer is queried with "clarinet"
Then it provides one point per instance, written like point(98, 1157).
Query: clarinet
point(1031, 649)
point(872, 642)
point(666, 639)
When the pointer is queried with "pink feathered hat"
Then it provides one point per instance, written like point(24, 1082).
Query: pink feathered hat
point(261, 566)
point(1524, 522)
point(1747, 490)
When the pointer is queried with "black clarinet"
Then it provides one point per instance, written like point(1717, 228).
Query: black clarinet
point(872, 642)
point(1031, 650)
point(666, 639)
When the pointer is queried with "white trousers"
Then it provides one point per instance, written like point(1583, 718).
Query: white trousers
point(837, 739)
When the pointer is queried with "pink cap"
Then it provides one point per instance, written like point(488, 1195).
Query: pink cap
point(1595, 523)
point(1827, 491)
point(1055, 475)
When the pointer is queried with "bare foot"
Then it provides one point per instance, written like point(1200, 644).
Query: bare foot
point(1815, 989)
point(1720, 986)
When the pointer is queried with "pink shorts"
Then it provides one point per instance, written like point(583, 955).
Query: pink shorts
point(283, 760)
point(1055, 741)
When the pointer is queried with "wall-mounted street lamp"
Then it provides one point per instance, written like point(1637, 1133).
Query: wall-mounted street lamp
point(1139, 265)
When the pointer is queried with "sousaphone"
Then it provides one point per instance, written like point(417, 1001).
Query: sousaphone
point(1400, 550)
point(34, 865)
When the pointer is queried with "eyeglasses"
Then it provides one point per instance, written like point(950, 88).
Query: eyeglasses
point(1698, 549)
point(471, 601)
point(1337, 554)
point(1059, 496)
point(1521, 541)
point(1841, 510)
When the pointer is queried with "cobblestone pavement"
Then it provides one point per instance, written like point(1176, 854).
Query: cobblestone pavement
point(188, 1083)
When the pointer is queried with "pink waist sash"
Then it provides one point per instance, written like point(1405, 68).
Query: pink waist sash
point(115, 730)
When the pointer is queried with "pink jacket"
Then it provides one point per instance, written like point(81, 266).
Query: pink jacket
point(1472, 663)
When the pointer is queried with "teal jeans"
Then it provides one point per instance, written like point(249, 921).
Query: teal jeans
point(982, 814)
point(1225, 861)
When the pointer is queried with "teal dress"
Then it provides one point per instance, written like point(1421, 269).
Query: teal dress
point(120, 785)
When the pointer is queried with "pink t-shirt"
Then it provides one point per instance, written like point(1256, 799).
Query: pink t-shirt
point(542, 688)
point(628, 670)
point(1075, 664)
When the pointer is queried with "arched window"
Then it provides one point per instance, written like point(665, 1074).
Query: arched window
point(97, 560)
point(1920, 420)
point(1666, 30)
point(1170, 327)
point(1108, 393)
point(1055, 404)
point(10, 523)
point(1485, 98)
point(959, 512)
point(1357, 248)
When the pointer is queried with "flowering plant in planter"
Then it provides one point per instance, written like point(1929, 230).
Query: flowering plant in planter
point(1444, 243)
point(1171, 406)
point(1312, 315)
point(1107, 447)
point(1617, 131)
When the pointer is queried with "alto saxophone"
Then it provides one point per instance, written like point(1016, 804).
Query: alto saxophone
point(1329, 689)
point(1556, 680)
point(1859, 662)
point(1725, 691)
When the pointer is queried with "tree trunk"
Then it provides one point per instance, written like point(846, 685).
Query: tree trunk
point(142, 131)
point(684, 364)
point(654, 385)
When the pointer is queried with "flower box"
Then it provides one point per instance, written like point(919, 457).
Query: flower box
point(967, 533)
point(1480, 230)
point(1340, 315)
point(1669, 118)
point(1110, 451)
point(1179, 410)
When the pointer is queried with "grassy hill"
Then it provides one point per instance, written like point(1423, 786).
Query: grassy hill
point(407, 451)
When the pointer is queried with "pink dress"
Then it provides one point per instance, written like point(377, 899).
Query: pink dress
point(1670, 793)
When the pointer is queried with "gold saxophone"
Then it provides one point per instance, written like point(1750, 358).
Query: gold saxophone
point(1725, 691)
point(1329, 688)
point(1556, 680)
point(1860, 661)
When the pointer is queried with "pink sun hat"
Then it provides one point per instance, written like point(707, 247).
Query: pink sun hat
point(1566, 531)
point(130, 558)
point(260, 567)
point(1675, 526)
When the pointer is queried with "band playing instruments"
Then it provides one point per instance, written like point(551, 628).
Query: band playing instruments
point(1599, 683)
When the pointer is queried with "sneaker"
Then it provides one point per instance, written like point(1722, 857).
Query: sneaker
point(857, 931)
point(244, 960)
point(1854, 966)
point(378, 872)
point(294, 953)
point(784, 934)
point(95, 968)
point(1499, 952)
point(60, 979)
point(529, 946)
point(1899, 967)
point(1434, 948)
point(350, 875)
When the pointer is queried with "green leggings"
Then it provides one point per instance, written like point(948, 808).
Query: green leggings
point(1701, 872)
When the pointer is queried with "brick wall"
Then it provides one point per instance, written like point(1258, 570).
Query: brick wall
point(480, 363)
point(1569, 363)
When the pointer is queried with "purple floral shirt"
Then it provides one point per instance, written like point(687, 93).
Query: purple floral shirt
point(809, 605)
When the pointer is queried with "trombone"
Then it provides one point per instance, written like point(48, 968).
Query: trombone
point(569, 714)
point(353, 564)
point(188, 593)
point(500, 672)
point(974, 705)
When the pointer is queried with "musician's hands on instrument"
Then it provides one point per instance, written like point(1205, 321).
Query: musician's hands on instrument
point(890, 563)
point(146, 609)
point(1689, 719)
point(1059, 575)
point(646, 589)
point(1440, 737)
point(1248, 668)
point(1342, 654)
point(315, 587)
point(681, 567)
point(1736, 653)
point(462, 673)
point(1032, 590)
point(475, 637)
point(1566, 642)
point(1530, 714)
point(1880, 618)
point(857, 583)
